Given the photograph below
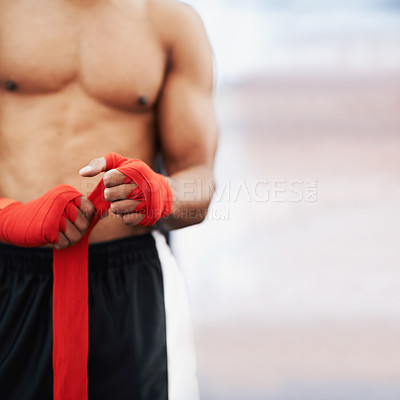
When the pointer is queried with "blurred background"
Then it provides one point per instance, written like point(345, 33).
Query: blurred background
point(294, 278)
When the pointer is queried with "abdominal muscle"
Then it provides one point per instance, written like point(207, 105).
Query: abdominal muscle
point(45, 139)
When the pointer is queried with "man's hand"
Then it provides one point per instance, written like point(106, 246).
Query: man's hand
point(59, 218)
point(116, 191)
point(74, 231)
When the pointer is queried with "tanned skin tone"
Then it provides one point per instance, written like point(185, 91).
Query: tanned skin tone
point(82, 78)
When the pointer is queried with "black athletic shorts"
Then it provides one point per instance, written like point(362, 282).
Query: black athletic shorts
point(127, 327)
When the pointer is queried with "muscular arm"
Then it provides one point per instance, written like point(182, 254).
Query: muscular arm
point(187, 123)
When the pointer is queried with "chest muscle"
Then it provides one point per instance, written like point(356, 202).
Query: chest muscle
point(109, 48)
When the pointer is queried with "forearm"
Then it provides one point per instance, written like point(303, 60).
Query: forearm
point(192, 191)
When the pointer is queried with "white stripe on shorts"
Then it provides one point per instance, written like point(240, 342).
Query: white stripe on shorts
point(181, 357)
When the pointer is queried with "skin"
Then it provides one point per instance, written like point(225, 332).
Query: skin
point(81, 78)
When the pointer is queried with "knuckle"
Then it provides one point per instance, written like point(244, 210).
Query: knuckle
point(91, 208)
point(82, 224)
point(86, 223)
point(125, 218)
point(74, 239)
point(73, 235)
point(87, 207)
point(62, 242)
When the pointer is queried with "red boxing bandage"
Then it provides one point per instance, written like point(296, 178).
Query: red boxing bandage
point(37, 222)
point(152, 191)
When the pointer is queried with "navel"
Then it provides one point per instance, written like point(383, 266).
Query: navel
point(11, 86)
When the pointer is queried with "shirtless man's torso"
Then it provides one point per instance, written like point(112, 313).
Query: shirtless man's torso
point(80, 79)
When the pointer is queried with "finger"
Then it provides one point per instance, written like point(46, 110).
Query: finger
point(119, 192)
point(81, 222)
point(72, 233)
point(94, 167)
point(132, 219)
point(123, 206)
point(62, 242)
point(113, 178)
point(87, 208)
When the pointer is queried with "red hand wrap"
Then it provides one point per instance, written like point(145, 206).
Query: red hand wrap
point(38, 222)
point(152, 191)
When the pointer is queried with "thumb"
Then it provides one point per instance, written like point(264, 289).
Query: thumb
point(94, 167)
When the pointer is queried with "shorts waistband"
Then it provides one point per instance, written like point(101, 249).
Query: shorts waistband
point(132, 247)
point(128, 244)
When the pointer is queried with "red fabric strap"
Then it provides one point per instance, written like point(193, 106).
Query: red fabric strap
point(152, 191)
point(71, 311)
point(6, 202)
point(38, 222)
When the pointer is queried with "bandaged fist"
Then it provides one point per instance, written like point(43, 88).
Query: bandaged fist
point(60, 217)
point(76, 220)
point(138, 194)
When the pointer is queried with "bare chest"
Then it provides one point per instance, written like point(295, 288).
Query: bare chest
point(109, 48)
